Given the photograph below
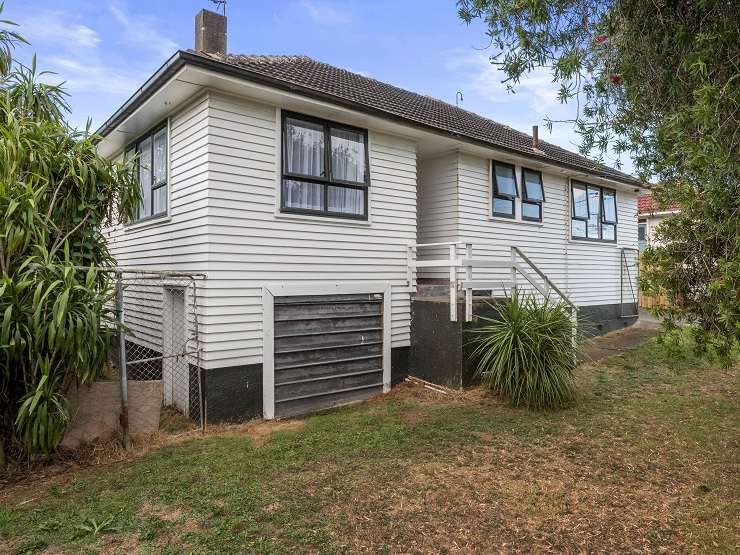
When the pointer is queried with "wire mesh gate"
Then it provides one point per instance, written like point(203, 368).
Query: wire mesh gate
point(157, 350)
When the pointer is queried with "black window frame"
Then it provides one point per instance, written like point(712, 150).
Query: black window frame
point(134, 146)
point(326, 180)
point(525, 195)
point(503, 196)
point(602, 220)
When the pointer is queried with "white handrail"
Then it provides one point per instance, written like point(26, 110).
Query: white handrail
point(467, 262)
point(444, 244)
point(548, 285)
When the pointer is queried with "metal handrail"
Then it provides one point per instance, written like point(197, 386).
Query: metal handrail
point(546, 279)
point(624, 266)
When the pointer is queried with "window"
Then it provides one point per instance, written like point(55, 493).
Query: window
point(325, 168)
point(151, 167)
point(504, 190)
point(533, 195)
point(593, 212)
point(642, 235)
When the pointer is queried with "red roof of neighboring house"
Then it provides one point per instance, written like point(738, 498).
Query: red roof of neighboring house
point(646, 204)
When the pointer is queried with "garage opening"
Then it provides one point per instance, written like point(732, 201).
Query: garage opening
point(328, 351)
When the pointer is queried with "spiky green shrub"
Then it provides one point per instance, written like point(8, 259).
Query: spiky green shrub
point(56, 195)
point(526, 352)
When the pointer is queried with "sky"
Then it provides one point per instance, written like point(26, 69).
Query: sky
point(105, 49)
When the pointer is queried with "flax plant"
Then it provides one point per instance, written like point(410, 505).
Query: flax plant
point(526, 351)
point(56, 195)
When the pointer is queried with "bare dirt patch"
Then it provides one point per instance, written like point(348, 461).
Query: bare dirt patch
point(618, 341)
point(262, 431)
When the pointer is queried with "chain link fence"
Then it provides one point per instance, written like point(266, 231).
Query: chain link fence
point(157, 355)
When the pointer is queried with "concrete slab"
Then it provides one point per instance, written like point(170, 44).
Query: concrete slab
point(621, 340)
point(95, 410)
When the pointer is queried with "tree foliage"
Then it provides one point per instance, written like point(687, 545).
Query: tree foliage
point(56, 194)
point(659, 82)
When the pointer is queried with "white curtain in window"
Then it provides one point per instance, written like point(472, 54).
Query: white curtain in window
point(145, 177)
point(594, 213)
point(160, 201)
point(347, 155)
point(610, 206)
point(299, 194)
point(346, 200)
point(160, 156)
point(304, 148)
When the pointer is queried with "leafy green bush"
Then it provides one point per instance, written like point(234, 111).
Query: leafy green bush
point(56, 195)
point(527, 352)
point(659, 82)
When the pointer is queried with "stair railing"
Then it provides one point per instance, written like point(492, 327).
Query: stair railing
point(460, 259)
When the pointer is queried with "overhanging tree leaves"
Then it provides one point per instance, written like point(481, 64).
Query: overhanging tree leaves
point(659, 82)
point(56, 194)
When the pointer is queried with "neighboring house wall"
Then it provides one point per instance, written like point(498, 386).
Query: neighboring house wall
point(589, 272)
point(651, 222)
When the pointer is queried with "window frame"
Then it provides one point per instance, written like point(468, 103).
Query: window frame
point(504, 196)
point(134, 146)
point(602, 220)
point(525, 195)
point(642, 243)
point(327, 179)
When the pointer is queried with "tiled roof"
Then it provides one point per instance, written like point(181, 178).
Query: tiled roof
point(302, 72)
point(646, 204)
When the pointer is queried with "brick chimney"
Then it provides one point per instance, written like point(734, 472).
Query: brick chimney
point(210, 32)
point(535, 137)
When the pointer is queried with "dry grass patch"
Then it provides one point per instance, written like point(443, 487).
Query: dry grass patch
point(646, 462)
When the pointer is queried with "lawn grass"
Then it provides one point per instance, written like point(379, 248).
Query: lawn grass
point(647, 460)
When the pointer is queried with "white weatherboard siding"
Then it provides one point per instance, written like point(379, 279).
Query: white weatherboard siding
point(180, 241)
point(589, 272)
point(438, 210)
point(177, 242)
point(251, 244)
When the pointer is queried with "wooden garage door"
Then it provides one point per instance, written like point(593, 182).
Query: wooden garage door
point(328, 351)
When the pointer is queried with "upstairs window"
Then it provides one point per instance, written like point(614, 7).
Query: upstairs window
point(505, 190)
point(593, 212)
point(533, 195)
point(325, 168)
point(151, 168)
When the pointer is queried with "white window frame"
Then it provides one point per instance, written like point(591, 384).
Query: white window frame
point(571, 215)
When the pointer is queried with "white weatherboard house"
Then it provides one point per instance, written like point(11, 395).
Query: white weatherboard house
point(335, 216)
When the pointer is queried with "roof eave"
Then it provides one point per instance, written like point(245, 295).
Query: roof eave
point(150, 86)
point(182, 57)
